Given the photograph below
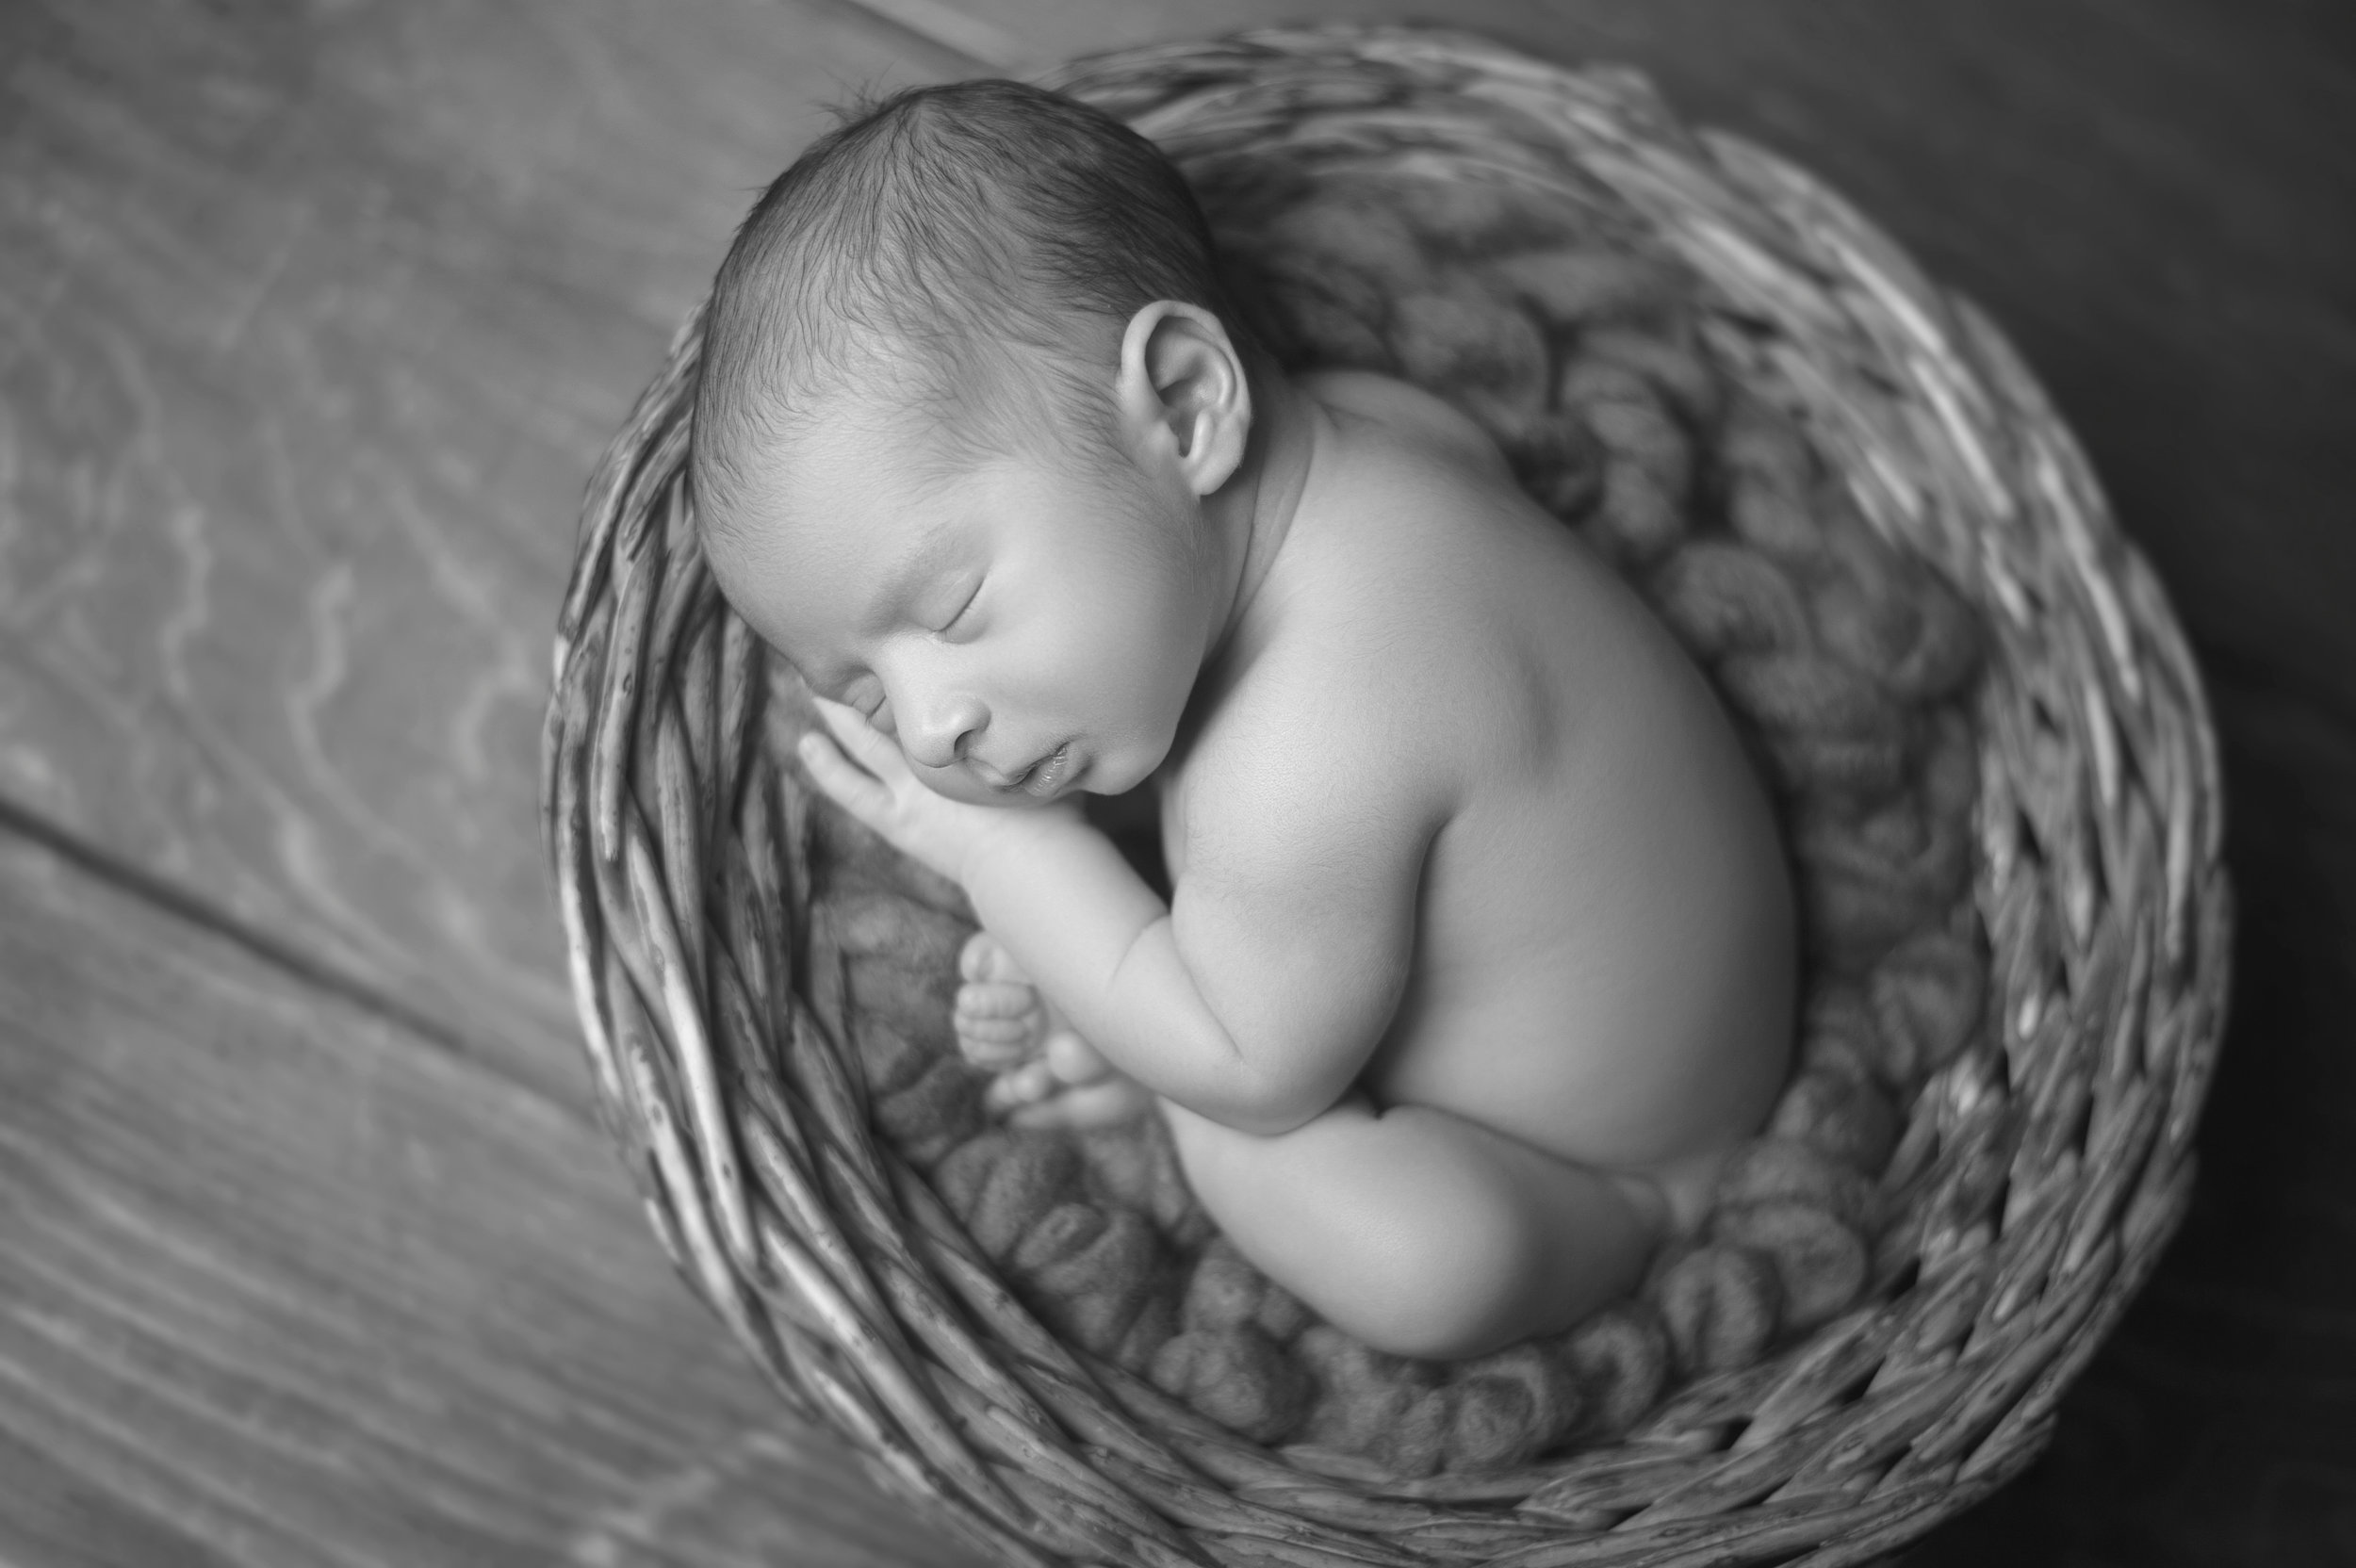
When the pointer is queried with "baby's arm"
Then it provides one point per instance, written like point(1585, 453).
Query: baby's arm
point(1257, 999)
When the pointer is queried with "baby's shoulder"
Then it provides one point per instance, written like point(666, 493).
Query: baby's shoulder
point(1308, 757)
point(1390, 639)
point(1417, 553)
point(1423, 429)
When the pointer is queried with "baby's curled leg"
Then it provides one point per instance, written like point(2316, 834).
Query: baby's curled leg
point(1418, 1231)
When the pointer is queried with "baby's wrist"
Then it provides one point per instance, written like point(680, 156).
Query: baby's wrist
point(1014, 836)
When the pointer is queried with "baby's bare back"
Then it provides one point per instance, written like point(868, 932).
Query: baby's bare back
point(1602, 961)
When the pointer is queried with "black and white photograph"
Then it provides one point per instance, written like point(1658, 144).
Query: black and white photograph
point(1119, 784)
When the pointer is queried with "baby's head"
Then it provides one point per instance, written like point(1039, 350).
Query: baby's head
point(972, 386)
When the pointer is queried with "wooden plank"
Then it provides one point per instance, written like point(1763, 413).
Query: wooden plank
point(282, 1284)
point(2155, 199)
point(312, 320)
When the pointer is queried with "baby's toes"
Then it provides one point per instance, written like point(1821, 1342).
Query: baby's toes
point(1108, 1102)
point(1072, 1060)
point(1025, 1086)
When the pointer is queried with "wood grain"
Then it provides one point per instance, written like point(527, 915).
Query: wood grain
point(312, 320)
point(280, 1287)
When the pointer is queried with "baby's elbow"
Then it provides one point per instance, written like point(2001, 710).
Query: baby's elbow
point(1264, 1118)
point(1288, 1063)
point(1272, 1096)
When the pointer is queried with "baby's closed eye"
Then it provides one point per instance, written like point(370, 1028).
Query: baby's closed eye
point(964, 608)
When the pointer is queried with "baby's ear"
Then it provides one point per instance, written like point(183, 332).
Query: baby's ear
point(1184, 392)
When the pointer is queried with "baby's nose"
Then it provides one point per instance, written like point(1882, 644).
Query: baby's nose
point(938, 736)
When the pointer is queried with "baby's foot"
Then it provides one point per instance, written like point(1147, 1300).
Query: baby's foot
point(1048, 1076)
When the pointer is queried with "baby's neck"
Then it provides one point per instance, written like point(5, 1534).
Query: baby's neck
point(1258, 503)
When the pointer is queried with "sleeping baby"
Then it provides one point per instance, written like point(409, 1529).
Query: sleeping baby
point(1479, 952)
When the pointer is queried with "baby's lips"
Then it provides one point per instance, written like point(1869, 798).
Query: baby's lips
point(1050, 773)
point(1039, 779)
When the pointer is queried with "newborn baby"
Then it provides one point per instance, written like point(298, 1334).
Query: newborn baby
point(1478, 956)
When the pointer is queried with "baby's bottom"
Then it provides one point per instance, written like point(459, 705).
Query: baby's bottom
point(1417, 1232)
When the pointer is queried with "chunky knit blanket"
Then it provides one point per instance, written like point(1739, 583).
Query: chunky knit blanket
point(1846, 665)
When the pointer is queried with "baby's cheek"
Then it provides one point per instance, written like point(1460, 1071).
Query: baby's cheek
point(1162, 657)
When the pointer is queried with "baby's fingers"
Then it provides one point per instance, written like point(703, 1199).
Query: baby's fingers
point(860, 793)
point(995, 998)
point(1006, 1057)
point(991, 1037)
point(870, 748)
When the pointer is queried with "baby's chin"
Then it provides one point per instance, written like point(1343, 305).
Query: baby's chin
point(1114, 759)
point(1120, 769)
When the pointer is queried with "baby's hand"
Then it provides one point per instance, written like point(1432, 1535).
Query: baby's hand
point(860, 768)
point(1047, 1074)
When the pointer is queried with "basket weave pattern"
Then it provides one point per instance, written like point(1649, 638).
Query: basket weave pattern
point(2050, 1165)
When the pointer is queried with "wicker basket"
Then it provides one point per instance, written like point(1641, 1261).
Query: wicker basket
point(714, 1021)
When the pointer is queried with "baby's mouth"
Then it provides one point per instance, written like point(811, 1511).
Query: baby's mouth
point(1046, 775)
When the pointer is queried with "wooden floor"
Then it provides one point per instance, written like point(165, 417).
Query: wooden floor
point(312, 318)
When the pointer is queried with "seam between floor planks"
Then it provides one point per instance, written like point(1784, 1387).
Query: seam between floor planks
point(284, 958)
point(192, 1340)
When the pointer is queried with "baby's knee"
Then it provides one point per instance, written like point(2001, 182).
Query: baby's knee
point(1441, 1286)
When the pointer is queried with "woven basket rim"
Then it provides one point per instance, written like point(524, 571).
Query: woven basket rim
point(2098, 878)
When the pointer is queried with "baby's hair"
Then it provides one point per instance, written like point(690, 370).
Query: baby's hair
point(917, 243)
